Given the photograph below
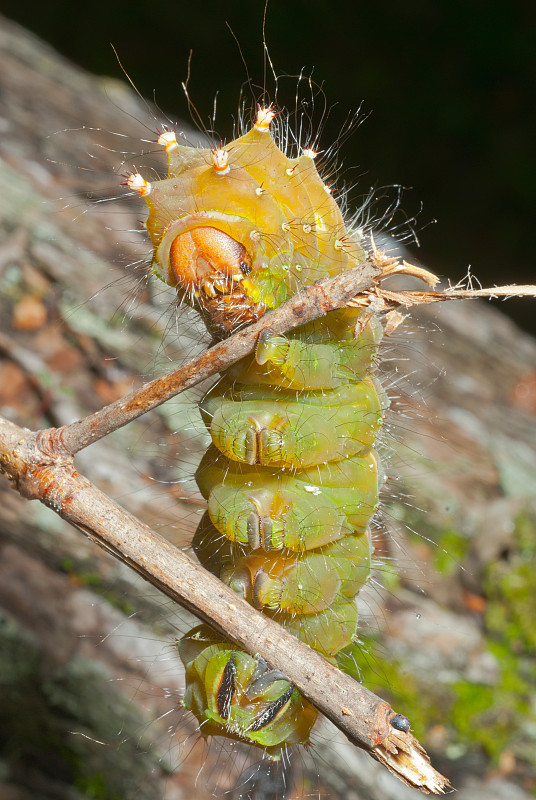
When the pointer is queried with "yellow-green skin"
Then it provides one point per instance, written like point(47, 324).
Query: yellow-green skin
point(292, 478)
point(277, 208)
point(264, 709)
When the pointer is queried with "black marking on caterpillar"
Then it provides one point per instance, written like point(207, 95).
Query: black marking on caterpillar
point(227, 688)
point(272, 710)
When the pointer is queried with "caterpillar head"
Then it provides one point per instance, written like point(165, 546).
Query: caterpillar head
point(239, 229)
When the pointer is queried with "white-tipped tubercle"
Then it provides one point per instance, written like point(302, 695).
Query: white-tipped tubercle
point(264, 118)
point(138, 184)
point(309, 153)
point(168, 140)
point(220, 160)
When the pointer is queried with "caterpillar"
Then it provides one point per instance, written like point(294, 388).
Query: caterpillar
point(292, 477)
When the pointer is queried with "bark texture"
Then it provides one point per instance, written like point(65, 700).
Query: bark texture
point(85, 653)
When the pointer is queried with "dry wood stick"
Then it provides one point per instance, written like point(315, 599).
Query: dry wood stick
point(31, 462)
point(314, 301)
point(40, 466)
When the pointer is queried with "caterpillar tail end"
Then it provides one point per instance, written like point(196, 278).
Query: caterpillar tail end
point(235, 695)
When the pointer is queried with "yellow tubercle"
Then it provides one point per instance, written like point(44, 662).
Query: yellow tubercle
point(220, 161)
point(138, 184)
point(264, 117)
point(168, 140)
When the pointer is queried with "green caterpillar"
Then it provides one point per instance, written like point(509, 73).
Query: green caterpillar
point(291, 478)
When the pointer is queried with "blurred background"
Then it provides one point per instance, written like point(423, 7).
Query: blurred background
point(448, 623)
point(448, 87)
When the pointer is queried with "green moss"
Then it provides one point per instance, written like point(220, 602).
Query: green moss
point(448, 546)
point(370, 665)
point(94, 581)
point(501, 716)
point(451, 550)
point(495, 717)
point(95, 787)
point(473, 718)
point(510, 587)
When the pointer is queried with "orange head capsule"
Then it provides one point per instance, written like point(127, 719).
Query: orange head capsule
point(208, 258)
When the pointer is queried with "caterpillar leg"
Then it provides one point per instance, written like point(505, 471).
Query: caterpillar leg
point(303, 584)
point(271, 518)
point(268, 509)
point(337, 424)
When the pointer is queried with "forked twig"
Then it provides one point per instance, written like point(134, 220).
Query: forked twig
point(385, 300)
point(315, 301)
point(32, 463)
point(40, 466)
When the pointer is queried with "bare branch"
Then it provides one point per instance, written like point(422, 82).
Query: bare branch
point(32, 463)
point(40, 465)
point(383, 299)
point(315, 301)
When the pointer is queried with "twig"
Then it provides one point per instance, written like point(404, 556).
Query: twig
point(40, 466)
point(384, 300)
point(314, 301)
point(32, 463)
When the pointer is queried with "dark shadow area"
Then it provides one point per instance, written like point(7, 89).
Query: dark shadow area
point(448, 87)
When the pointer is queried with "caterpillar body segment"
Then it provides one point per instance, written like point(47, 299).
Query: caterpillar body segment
point(294, 509)
point(254, 426)
point(292, 477)
point(230, 691)
point(312, 360)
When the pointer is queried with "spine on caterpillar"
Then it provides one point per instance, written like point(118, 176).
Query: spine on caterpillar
point(291, 478)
